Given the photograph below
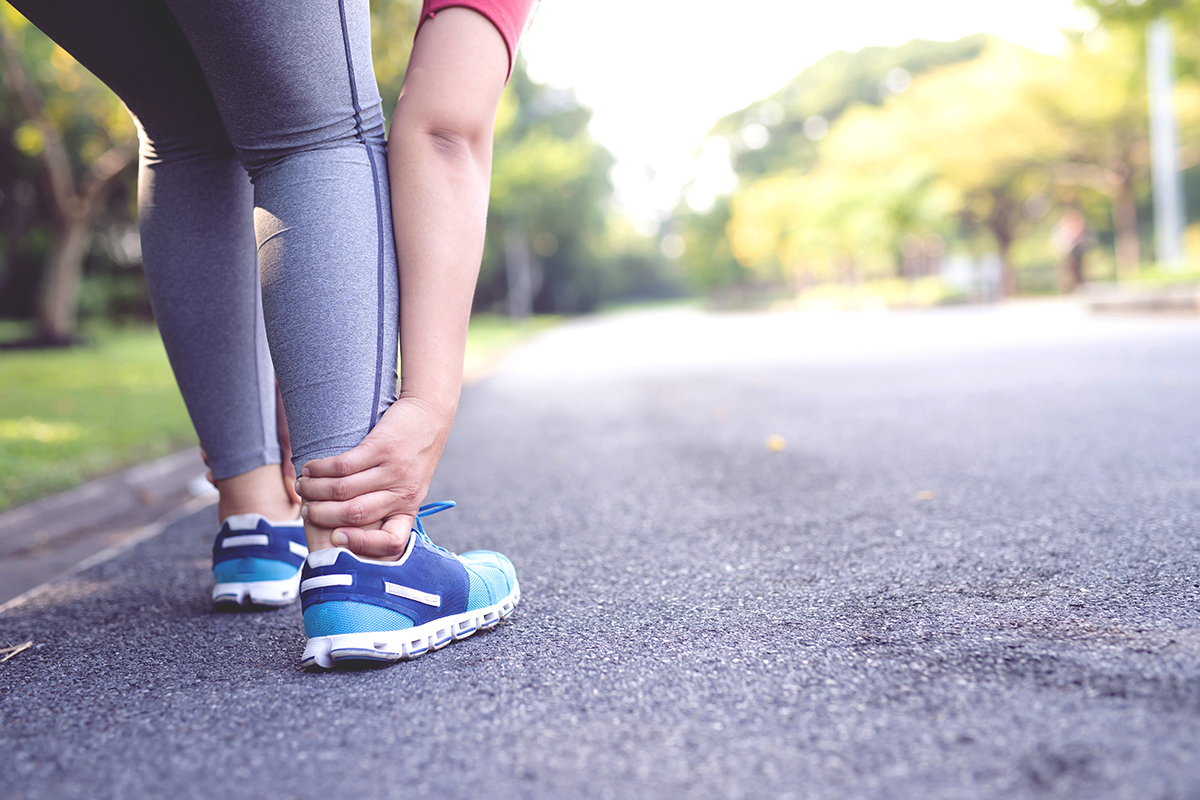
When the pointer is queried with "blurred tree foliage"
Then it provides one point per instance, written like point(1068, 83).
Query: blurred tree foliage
point(821, 93)
point(973, 142)
point(779, 138)
point(963, 141)
point(70, 143)
point(551, 245)
point(1129, 12)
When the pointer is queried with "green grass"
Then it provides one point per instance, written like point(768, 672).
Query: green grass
point(70, 415)
point(493, 332)
point(881, 293)
point(67, 416)
point(1156, 275)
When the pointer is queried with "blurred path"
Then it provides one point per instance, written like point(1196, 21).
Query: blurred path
point(972, 571)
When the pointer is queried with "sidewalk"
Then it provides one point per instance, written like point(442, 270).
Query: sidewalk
point(56, 534)
point(1109, 298)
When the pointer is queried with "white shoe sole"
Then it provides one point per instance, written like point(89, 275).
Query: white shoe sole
point(324, 652)
point(258, 593)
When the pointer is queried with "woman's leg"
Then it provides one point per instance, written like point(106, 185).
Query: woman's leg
point(295, 88)
point(196, 220)
point(439, 157)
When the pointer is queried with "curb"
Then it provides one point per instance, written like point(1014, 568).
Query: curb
point(49, 537)
point(1184, 298)
point(140, 535)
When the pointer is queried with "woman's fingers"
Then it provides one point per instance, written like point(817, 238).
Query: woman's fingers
point(343, 488)
point(387, 543)
point(357, 459)
point(366, 509)
point(385, 476)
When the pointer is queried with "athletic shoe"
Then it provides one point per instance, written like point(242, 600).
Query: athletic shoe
point(257, 562)
point(361, 610)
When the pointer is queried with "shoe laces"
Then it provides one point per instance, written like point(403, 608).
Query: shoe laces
point(428, 510)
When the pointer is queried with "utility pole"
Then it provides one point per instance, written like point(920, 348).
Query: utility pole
point(1164, 147)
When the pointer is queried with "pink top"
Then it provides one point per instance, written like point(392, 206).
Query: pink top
point(509, 17)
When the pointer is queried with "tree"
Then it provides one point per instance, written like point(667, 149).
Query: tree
point(1105, 111)
point(797, 116)
point(708, 258)
point(778, 140)
point(549, 202)
point(836, 222)
point(1101, 111)
point(1128, 12)
point(550, 189)
point(974, 124)
point(393, 25)
point(964, 140)
point(84, 143)
point(83, 140)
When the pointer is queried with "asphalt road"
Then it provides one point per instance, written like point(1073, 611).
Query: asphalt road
point(972, 572)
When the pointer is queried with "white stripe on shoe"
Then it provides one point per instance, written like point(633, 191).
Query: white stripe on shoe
point(249, 540)
point(409, 593)
point(321, 581)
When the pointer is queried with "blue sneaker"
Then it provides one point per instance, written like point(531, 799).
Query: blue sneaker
point(257, 561)
point(361, 610)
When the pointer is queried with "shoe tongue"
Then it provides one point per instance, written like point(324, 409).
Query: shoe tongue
point(431, 545)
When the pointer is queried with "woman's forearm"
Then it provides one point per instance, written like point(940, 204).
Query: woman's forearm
point(439, 161)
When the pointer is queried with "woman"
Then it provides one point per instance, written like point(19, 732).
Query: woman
point(262, 137)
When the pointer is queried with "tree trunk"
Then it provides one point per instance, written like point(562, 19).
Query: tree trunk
point(59, 311)
point(1008, 276)
point(77, 202)
point(1124, 212)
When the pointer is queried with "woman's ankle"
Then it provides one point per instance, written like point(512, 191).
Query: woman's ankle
point(259, 491)
point(323, 538)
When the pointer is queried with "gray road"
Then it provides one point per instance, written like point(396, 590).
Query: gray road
point(972, 572)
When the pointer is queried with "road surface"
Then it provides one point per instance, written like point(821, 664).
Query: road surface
point(944, 554)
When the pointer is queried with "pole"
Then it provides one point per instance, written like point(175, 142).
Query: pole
point(1164, 147)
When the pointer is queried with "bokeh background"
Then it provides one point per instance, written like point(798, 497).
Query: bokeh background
point(779, 155)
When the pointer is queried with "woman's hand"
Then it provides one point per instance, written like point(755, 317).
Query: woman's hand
point(439, 164)
point(370, 495)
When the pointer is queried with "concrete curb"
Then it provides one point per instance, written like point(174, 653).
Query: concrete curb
point(47, 537)
point(1184, 298)
point(139, 535)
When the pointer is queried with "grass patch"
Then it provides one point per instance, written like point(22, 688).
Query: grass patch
point(73, 414)
point(70, 415)
point(923, 292)
point(1156, 275)
point(493, 332)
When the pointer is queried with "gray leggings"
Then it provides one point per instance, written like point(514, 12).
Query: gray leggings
point(262, 138)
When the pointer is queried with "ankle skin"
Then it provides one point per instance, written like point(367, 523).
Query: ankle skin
point(322, 538)
point(259, 491)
